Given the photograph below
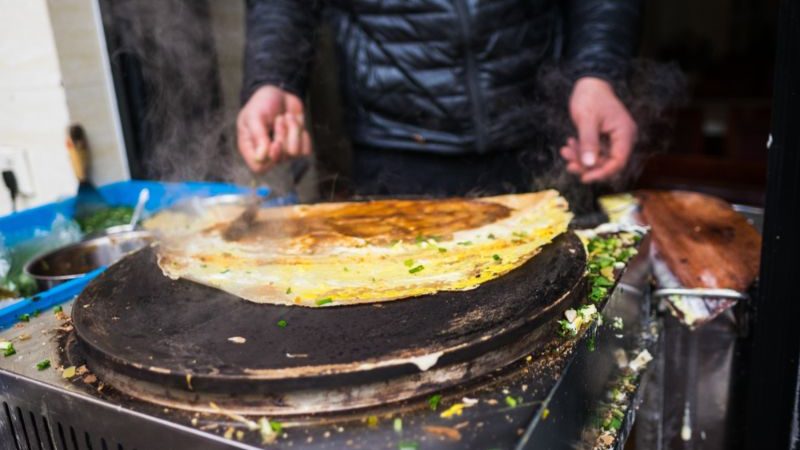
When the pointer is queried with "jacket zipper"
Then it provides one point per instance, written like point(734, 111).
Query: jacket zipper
point(476, 99)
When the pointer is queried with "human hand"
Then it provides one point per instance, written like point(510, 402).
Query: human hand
point(606, 132)
point(271, 128)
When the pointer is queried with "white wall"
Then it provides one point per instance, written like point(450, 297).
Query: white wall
point(52, 73)
point(33, 108)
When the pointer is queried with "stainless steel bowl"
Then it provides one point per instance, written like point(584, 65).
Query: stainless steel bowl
point(75, 260)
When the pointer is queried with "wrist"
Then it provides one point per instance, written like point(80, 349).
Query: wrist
point(593, 84)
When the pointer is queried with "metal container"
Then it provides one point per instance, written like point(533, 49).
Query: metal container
point(75, 260)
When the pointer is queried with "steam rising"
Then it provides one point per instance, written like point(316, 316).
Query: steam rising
point(189, 135)
point(186, 133)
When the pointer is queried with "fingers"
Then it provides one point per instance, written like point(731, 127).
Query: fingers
point(294, 136)
point(279, 137)
point(622, 140)
point(588, 140)
point(253, 140)
point(570, 154)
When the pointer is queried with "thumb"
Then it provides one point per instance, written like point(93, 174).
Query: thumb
point(588, 141)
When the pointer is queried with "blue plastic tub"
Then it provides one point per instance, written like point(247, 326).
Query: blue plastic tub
point(22, 226)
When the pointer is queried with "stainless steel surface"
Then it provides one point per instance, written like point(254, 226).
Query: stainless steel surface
point(72, 261)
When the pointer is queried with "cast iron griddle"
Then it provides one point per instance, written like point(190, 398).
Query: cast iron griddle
point(135, 322)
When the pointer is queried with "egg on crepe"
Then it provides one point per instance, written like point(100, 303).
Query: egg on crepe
point(360, 252)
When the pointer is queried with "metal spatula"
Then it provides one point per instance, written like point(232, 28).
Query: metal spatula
point(239, 226)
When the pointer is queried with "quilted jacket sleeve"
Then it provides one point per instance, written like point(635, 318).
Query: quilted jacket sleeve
point(602, 36)
point(279, 44)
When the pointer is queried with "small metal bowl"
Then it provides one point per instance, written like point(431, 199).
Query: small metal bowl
point(75, 260)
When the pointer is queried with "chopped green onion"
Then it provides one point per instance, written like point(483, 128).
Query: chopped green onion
point(35, 313)
point(408, 262)
point(225, 271)
point(434, 400)
point(442, 249)
point(491, 236)
point(346, 269)
point(276, 426)
point(44, 364)
point(398, 425)
point(324, 301)
point(497, 257)
point(407, 445)
point(519, 234)
point(24, 317)
point(511, 401)
point(288, 290)
point(58, 309)
point(464, 243)
point(598, 293)
point(282, 323)
point(602, 281)
point(7, 347)
point(416, 269)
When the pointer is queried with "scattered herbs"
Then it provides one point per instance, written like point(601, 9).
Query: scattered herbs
point(497, 257)
point(7, 347)
point(519, 234)
point(276, 426)
point(288, 290)
point(408, 262)
point(442, 250)
point(407, 445)
point(58, 309)
point(44, 364)
point(35, 313)
point(346, 269)
point(491, 236)
point(511, 401)
point(464, 243)
point(282, 323)
point(434, 400)
point(398, 425)
point(324, 301)
point(416, 269)
point(105, 218)
point(24, 317)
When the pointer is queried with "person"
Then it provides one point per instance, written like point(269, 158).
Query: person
point(438, 94)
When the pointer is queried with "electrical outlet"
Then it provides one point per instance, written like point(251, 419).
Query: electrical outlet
point(17, 160)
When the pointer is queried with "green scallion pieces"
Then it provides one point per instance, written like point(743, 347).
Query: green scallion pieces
point(434, 400)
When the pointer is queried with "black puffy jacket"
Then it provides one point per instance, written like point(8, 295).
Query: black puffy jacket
point(439, 75)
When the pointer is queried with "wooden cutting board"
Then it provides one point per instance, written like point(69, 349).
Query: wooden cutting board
point(702, 239)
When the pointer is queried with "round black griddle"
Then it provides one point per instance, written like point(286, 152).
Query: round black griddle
point(169, 341)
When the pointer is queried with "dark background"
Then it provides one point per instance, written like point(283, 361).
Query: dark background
point(726, 48)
